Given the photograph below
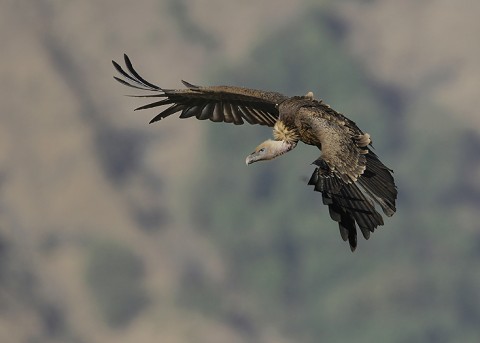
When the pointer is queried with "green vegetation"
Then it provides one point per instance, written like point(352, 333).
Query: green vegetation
point(114, 275)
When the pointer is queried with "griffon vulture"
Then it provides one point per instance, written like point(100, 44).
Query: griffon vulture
point(348, 173)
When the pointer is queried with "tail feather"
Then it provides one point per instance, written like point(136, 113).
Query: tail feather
point(351, 207)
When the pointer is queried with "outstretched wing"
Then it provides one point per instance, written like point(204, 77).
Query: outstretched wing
point(218, 103)
point(351, 177)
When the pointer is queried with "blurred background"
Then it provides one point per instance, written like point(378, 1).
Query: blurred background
point(113, 230)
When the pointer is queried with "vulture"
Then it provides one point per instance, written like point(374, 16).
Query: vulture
point(348, 174)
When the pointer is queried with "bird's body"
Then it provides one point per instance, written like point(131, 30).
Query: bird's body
point(348, 173)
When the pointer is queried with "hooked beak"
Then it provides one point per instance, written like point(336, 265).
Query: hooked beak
point(250, 159)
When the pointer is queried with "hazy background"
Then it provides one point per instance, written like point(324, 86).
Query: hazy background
point(113, 230)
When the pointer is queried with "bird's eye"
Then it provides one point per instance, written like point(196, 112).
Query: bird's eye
point(261, 150)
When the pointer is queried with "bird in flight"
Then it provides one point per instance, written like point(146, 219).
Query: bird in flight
point(348, 174)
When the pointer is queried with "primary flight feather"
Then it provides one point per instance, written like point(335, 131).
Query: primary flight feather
point(349, 175)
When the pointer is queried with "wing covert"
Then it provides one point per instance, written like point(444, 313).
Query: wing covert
point(343, 145)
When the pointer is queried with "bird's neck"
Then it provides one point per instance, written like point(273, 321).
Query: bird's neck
point(282, 133)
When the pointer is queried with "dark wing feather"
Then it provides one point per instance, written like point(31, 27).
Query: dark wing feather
point(347, 204)
point(218, 103)
point(377, 181)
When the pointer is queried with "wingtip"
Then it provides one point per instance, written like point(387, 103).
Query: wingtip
point(154, 120)
point(189, 85)
point(352, 240)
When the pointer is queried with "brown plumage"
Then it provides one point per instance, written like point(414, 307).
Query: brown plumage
point(349, 175)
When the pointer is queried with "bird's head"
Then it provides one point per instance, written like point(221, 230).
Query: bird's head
point(268, 150)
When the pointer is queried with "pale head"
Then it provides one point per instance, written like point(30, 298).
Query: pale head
point(269, 150)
